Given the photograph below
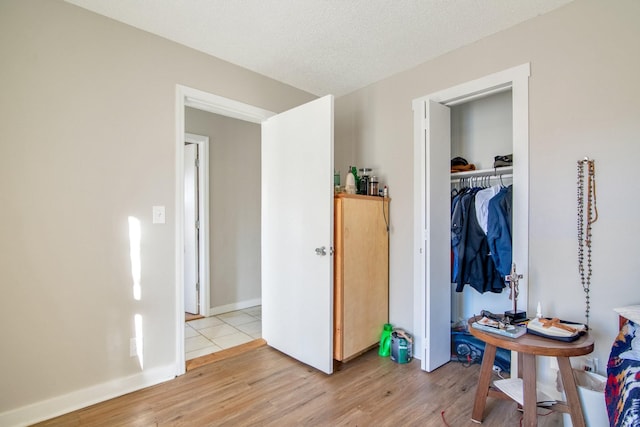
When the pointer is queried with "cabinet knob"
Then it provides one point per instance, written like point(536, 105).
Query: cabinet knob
point(322, 251)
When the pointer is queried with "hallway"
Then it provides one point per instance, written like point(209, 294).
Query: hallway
point(220, 332)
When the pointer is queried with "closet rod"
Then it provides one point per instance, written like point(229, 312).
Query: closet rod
point(505, 176)
point(503, 171)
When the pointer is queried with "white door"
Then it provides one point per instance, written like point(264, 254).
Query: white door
point(297, 233)
point(437, 237)
point(190, 229)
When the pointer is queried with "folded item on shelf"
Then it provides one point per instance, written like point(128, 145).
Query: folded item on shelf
point(463, 168)
point(556, 328)
point(459, 161)
point(501, 161)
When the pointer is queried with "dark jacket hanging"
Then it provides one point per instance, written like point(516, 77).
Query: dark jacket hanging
point(475, 264)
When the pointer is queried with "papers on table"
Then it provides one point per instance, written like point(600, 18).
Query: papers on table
point(489, 325)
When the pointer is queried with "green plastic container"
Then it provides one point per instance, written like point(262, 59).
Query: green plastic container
point(401, 347)
point(385, 340)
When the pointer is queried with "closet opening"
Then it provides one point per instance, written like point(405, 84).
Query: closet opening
point(481, 129)
point(475, 121)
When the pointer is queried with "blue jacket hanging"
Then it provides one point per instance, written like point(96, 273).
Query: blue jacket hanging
point(499, 230)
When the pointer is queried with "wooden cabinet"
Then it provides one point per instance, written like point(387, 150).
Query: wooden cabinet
point(361, 273)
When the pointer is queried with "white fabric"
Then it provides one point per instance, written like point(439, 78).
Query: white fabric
point(631, 312)
point(482, 205)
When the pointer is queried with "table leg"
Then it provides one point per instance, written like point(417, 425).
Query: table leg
point(483, 383)
point(571, 392)
point(519, 364)
point(529, 391)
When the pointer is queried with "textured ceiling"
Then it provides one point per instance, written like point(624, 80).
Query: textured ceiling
point(323, 46)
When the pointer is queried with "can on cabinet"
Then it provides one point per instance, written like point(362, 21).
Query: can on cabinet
point(373, 186)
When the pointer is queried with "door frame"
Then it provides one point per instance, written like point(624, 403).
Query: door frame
point(203, 215)
point(516, 79)
point(201, 100)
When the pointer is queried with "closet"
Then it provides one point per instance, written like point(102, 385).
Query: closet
point(478, 138)
point(481, 129)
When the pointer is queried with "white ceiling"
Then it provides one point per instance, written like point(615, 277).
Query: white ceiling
point(323, 46)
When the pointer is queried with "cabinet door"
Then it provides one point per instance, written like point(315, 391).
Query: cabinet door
point(365, 290)
point(338, 266)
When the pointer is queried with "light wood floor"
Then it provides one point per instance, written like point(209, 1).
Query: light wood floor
point(263, 387)
point(189, 316)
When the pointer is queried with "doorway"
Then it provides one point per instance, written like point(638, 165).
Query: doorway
point(233, 306)
point(199, 100)
point(297, 281)
point(432, 242)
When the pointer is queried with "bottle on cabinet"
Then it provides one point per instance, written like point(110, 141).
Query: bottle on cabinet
point(360, 181)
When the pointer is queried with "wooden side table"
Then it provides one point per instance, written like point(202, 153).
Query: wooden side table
point(528, 347)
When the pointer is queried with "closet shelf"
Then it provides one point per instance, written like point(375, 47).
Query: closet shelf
point(505, 170)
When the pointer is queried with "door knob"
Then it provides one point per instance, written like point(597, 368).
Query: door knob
point(321, 251)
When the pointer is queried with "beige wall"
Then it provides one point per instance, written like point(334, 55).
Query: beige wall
point(87, 140)
point(234, 194)
point(584, 95)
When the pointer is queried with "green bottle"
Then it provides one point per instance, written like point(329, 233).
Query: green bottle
point(354, 171)
point(385, 340)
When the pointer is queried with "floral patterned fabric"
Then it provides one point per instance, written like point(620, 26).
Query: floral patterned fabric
point(622, 393)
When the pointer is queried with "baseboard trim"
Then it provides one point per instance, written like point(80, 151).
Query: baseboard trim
point(60, 405)
point(240, 305)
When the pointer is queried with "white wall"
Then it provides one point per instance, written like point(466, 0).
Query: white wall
point(87, 139)
point(234, 194)
point(583, 101)
point(482, 129)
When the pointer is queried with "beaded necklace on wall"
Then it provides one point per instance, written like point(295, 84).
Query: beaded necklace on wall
point(587, 215)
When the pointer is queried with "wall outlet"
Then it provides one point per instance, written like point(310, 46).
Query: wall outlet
point(589, 364)
point(133, 347)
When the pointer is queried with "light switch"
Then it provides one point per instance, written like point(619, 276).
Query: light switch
point(158, 215)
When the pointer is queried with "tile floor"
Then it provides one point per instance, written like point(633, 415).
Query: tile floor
point(215, 333)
